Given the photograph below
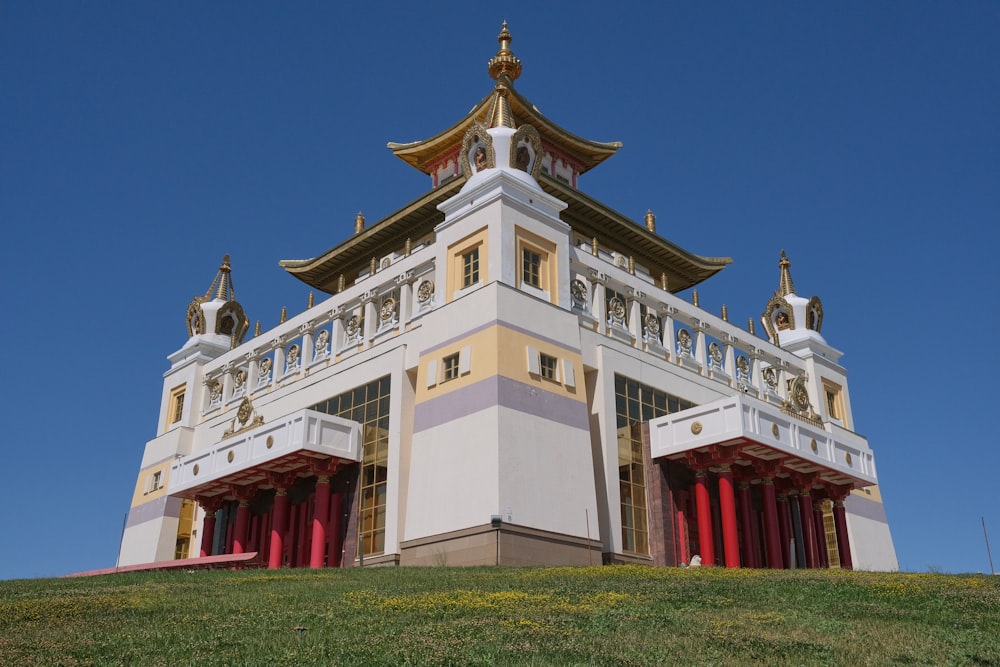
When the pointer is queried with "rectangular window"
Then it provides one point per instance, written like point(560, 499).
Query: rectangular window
point(634, 404)
point(175, 408)
point(834, 401)
point(530, 268)
point(470, 268)
point(547, 367)
point(450, 367)
point(368, 405)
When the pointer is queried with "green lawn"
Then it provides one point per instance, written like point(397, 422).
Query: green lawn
point(509, 616)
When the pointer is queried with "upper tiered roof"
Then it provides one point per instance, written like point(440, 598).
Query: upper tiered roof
point(505, 107)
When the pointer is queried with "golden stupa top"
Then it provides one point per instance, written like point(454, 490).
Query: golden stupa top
point(785, 284)
point(504, 106)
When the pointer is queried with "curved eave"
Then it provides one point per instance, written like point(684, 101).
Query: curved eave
point(423, 154)
point(614, 231)
point(354, 255)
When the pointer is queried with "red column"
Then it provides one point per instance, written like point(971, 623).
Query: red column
point(843, 542)
point(772, 533)
point(727, 507)
point(207, 533)
point(320, 518)
point(210, 505)
point(279, 524)
point(785, 528)
point(808, 528)
point(746, 524)
point(242, 523)
point(821, 551)
point(703, 507)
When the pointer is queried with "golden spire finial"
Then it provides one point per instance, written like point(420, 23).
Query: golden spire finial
point(222, 285)
point(650, 220)
point(359, 223)
point(504, 62)
point(785, 285)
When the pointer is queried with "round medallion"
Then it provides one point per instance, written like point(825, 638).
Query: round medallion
point(770, 378)
point(243, 414)
point(847, 457)
point(684, 338)
point(388, 309)
point(578, 290)
point(353, 325)
point(715, 352)
point(652, 323)
point(617, 307)
point(386, 262)
point(774, 430)
point(814, 446)
point(240, 377)
point(292, 354)
point(696, 428)
point(230, 457)
point(195, 469)
point(270, 441)
point(424, 291)
point(801, 397)
point(743, 364)
point(265, 366)
point(322, 338)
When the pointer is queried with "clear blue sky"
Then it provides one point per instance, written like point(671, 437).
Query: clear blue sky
point(139, 142)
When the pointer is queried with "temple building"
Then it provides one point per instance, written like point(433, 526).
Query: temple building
point(502, 372)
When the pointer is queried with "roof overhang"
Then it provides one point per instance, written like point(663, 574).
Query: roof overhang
point(752, 431)
point(284, 446)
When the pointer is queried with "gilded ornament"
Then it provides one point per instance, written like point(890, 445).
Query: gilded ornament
point(424, 291)
point(652, 323)
point(526, 151)
point(270, 441)
point(684, 338)
point(265, 366)
point(388, 309)
point(230, 456)
point(195, 469)
point(774, 430)
point(743, 364)
point(353, 325)
point(579, 290)
point(770, 378)
point(617, 307)
point(847, 457)
point(696, 428)
point(477, 150)
point(715, 352)
point(814, 446)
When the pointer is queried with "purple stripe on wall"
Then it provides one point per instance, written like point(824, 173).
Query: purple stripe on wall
point(501, 323)
point(165, 506)
point(863, 507)
point(500, 391)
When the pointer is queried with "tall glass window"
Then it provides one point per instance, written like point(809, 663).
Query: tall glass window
point(636, 403)
point(369, 406)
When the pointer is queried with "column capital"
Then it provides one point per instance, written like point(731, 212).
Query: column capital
point(324, 467)
point(243, 492)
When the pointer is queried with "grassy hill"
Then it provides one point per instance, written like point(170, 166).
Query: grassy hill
point(507, 616)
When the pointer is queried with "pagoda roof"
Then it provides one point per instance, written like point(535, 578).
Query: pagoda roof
point(585, 215)
point(426, 153)
point(508, 107)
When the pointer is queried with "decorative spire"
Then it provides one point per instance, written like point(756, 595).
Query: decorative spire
point(222, 286)
point(785, 286)
point(359, 223)
point(500, 115)
point(504, 62)
point(650, 220)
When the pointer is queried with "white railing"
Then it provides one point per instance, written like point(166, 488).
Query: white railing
point(366, 313)
point(631, 307)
